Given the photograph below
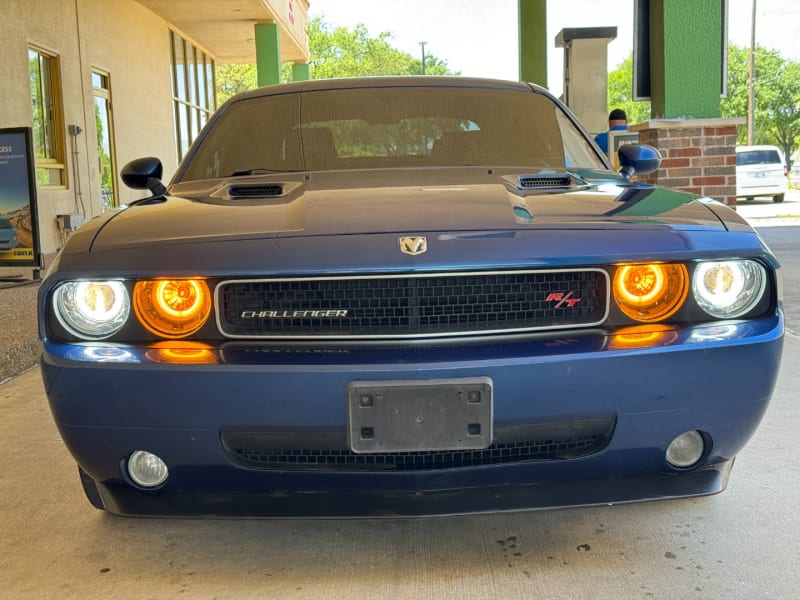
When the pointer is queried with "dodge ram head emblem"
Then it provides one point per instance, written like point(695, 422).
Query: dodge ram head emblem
point(413, 245)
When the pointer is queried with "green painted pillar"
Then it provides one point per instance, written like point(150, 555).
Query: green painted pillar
point(268, 54)
point(685, 58)
point(300, 72)
point(533, 41)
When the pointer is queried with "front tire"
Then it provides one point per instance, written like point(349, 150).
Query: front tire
point(778, 198)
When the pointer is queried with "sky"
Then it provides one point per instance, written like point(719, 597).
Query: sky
point(479, 37)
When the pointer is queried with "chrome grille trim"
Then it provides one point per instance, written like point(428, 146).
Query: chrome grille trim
point(421, 275)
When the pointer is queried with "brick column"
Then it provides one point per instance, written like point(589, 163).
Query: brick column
point(699, 155)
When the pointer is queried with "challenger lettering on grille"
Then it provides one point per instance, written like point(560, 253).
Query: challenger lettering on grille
point(292, 314)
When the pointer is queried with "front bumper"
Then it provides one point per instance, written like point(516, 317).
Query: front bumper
point(124, 500)
point(111, 401)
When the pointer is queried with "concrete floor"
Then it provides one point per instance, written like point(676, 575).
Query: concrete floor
point(741, 544)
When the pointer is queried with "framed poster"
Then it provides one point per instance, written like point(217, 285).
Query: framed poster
point(19, 231)
point(617, 139)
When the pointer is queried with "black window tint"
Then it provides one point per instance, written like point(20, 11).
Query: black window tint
point(388, 127)
point(249, 134)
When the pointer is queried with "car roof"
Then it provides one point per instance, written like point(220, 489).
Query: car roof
point(396, 81)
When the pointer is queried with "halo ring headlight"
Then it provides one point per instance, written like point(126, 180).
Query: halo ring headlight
point(650, 292)
point(92, 309)
point(172, 308)
point(730, 288)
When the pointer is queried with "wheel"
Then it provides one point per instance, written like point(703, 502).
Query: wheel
point(778, 198)
point(90, 489)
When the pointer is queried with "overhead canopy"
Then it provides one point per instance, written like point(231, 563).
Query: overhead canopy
point(226, 27)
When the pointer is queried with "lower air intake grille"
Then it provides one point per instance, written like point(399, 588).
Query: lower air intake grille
point(412, 305)
point(418, 461)
point(298, 451)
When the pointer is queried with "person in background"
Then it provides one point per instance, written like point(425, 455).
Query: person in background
point(617, 121)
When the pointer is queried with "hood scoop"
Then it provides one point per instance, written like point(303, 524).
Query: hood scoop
point(249, 191)
point(244, 193)
point(548, 182)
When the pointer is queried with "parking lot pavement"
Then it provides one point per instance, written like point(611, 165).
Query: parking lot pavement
point(19, 346)
point(740, 544)
point(763, 212)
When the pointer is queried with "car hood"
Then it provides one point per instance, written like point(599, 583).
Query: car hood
point(370, 202)
point(367, 212)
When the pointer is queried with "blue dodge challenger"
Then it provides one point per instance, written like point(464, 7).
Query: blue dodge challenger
point(406, 296)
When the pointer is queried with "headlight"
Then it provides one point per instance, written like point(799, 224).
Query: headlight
point(650, 292)
point(172, 308)
point(728, 289)
point(92, 309)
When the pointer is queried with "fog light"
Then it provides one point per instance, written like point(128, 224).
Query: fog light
point(686, 449)
point(146, 469)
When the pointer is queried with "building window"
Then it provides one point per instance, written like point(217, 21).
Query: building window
point(106, 157)
point(48, 120)
point(192, 91)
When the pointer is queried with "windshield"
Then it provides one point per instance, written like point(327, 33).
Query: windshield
point(391, 127)
point(5, 223)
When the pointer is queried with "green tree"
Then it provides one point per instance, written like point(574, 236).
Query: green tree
point(234, 78)
point(777, 96)
point(337, 52)
point(342, 52)
point(620, 93)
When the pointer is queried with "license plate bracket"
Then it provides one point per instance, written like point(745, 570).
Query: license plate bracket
point(419, 415)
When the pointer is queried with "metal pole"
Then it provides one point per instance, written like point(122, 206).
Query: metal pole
point(423, 54)
point(751, 100)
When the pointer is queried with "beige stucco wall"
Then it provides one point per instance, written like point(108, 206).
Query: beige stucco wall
point(131, 44)
point(120, 37)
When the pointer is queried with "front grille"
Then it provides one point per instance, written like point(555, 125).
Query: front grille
point(412, 305)
point(298, 451)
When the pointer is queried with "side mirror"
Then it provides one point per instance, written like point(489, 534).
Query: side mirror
point(638, 158)
point(144, 174)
